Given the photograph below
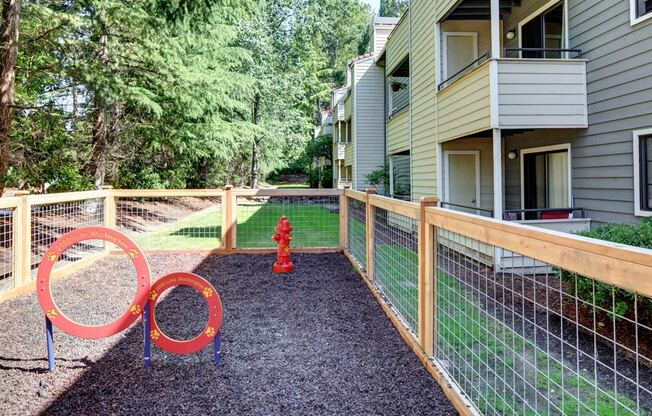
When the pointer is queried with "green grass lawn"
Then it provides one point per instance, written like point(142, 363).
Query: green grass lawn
point(470, 338)
point(357, 240)
point(314, 226)
point(396, 271)
point(291, 185)
point(200, 231)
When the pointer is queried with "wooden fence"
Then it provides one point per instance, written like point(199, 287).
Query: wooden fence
point(565, 330)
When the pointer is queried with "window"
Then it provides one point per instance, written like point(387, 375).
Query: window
point(546, 177)
point(643, 172)
point(543, 31)
point(640, 10)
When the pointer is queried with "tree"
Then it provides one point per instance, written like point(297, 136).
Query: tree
point(8, 58)
point(393, 8)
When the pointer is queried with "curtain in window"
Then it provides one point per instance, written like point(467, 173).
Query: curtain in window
point(557, 183)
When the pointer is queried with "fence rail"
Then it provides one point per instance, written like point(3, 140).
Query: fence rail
point(509, 319)
point(512, 319)
point(174, 220)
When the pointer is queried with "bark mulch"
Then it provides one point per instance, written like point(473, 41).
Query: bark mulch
point(314, 342)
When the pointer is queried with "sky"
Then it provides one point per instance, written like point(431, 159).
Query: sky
point(375, 4)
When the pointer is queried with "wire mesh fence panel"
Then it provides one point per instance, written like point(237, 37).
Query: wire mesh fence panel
point(528, 338)
point(6, 249)
point(51, 221)
point(171, 223)
point(357, 231)
point(396, 263)
point(315, 220)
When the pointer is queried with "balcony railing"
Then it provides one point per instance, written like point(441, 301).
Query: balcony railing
point(544, 214)
point(464, 70)
point(543, 53)
point(469, 209)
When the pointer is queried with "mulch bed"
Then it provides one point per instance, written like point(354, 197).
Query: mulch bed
point(315, 342)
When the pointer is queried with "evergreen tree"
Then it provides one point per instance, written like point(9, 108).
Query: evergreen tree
point(393, 8)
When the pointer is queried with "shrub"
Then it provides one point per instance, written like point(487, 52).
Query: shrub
point(620, 302)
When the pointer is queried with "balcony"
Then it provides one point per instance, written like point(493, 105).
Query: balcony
point(513, 93)
point(341, 151)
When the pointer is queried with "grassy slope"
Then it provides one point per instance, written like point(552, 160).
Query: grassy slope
point(314, 227)
point(468, 334)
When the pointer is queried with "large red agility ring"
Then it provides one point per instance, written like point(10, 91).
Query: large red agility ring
point(214, 313)
point(50, 307)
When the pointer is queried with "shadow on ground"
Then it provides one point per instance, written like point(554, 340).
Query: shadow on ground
point(315, 342)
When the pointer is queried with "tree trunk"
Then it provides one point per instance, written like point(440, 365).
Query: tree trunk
point(255, 152)
point(8, 56)
point(100, 143)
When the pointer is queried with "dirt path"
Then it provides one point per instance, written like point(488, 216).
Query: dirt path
point(315, 342)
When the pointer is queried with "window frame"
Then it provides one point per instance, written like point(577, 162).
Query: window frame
point(633, 13)
point(548, 149)
point(638, 173)
point(544, 9)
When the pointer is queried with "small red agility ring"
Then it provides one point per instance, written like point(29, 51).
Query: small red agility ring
point(50, 307)
point(209, 294)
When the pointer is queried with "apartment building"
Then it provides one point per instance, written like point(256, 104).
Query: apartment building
point(532, 110)
point(358, 114)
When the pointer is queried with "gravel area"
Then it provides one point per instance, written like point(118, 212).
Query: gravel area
point(314, 342)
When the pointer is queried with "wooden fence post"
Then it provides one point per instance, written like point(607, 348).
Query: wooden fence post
point(109, 208)
point(371, 219)
point(22, 240)
point(229, 219)
point(426, 278)
point(344, 219)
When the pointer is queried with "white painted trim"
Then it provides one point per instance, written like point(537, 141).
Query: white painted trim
point(497, 144)
point(440, 172)
point(494, 104)
point(438, 46)
point(391, 175)
point(475, 153)
point(445, 36)
point(354, 128)
point(496, 33)
point(541, 10)
point(638, 211)
point(410, 109)
point(633, 19)
point(543, 149)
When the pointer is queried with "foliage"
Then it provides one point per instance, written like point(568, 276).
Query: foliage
point(380, 180)
point(617, 301)
point(393, 8)
point(159, 93)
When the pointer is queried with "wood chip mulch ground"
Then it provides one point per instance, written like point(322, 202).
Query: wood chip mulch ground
point(311, 343)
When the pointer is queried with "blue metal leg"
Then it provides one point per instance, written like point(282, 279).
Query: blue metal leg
point(218, 348)
point(146, 329)
point(50, 341)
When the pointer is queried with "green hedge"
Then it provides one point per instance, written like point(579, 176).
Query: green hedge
point(634, 235)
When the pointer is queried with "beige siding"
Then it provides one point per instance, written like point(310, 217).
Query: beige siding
point(465, 105)
point(348, 106)
point(398, 45)
point(445, 6)
point(368, 120)
point(424, 113)
point(380, 38)
point(349, 155)
point(540, 94)
point(398, 133)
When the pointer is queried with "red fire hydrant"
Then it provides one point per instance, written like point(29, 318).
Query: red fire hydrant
point(283, 237)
